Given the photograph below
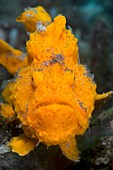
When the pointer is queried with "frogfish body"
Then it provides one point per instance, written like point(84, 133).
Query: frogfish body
point(52, 95)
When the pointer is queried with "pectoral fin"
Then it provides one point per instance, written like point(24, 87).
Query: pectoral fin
point(12, 59)
point(7, 112)
point(70, 149)
point(22, 145)
point(104, 95)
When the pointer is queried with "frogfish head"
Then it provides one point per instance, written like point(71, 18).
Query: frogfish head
point(54, 112)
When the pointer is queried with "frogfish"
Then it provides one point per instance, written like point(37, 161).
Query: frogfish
point(52, 95)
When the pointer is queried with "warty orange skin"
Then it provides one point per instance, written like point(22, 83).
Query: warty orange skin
point(53, 96)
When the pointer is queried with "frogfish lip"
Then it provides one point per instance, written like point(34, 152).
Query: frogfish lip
point(43, 104)
point(55, 99)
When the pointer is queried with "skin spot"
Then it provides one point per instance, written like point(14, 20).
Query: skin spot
point(82, 105)
point(40, 27)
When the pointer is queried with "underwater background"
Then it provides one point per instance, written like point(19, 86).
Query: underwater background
point(92, 23)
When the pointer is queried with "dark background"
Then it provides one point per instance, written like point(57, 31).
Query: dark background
point(92, 23)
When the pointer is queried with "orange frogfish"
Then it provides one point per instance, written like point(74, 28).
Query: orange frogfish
point(52, 95)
